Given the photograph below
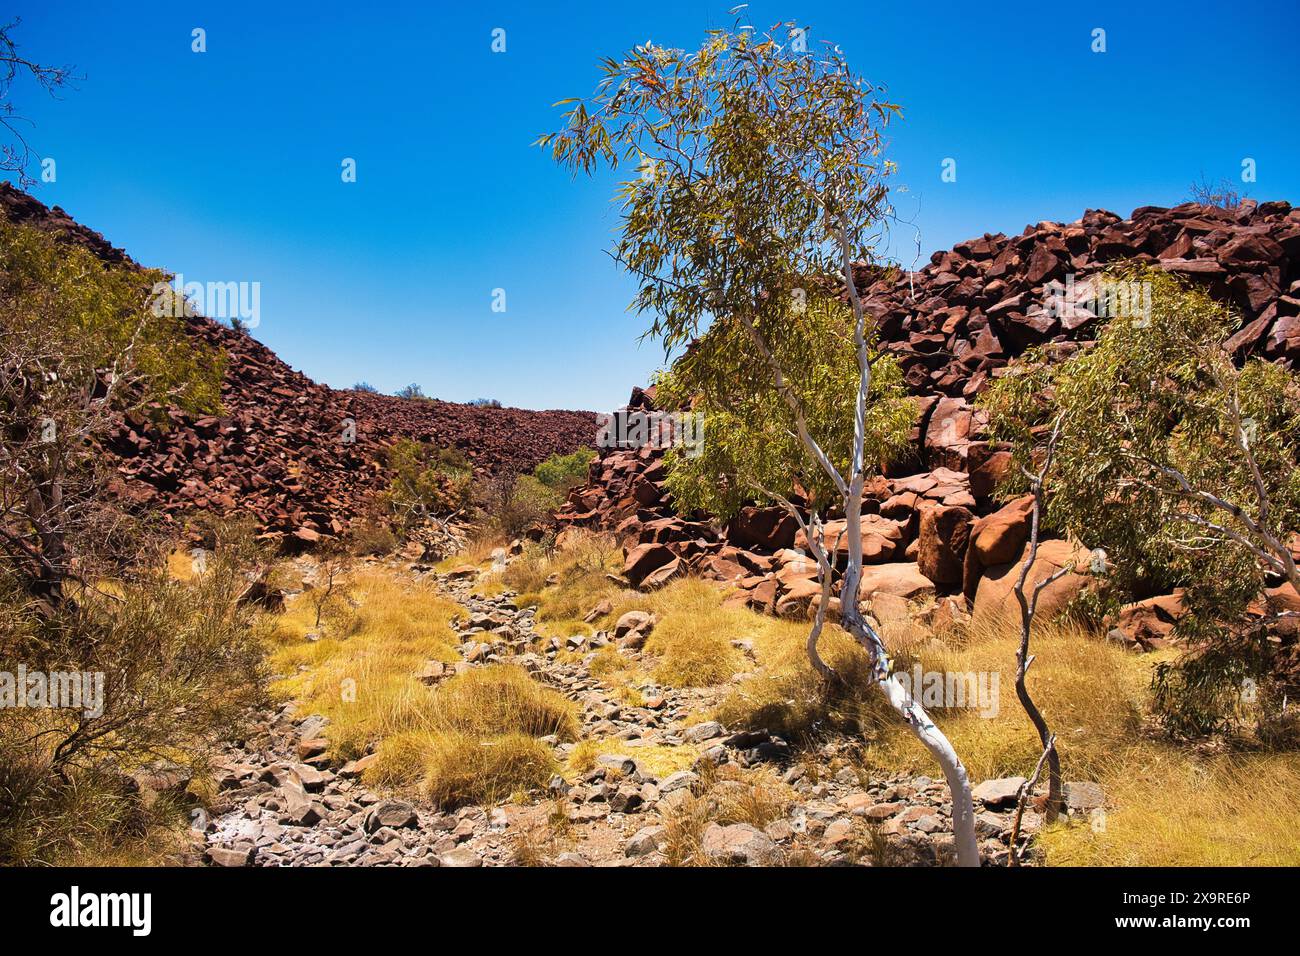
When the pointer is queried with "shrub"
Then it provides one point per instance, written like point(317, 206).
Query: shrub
point(426, 481)
point(564, 472)
point(1182, 466)
point(501, 699)
point(460, 769)
point(181, 668)
point(371, 538)
point(80, 344)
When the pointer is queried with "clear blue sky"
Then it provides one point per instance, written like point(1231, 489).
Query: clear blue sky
point(226, 165)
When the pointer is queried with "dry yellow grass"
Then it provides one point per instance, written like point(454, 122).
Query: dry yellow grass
point(502, 699)
point(692, 640)
point(659, 760)
point(477, 553)
point(452, 769)
point(579, 572)
point(1167, 808)
point(474, 738)
point(1093, 694)
point(363, 672)
point(723, 795)
point(1167, 805)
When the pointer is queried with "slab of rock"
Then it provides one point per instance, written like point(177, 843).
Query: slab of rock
point(902, 580)
point(645, 841)
point(1082, 796)
point(995, 599)
point(942, 541)
point(1001, 792)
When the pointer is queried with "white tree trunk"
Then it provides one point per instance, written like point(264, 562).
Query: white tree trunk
point(934, 740)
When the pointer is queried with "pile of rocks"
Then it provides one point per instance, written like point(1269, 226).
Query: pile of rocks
point(931, 526)
point(986, 300)
point(304, 459)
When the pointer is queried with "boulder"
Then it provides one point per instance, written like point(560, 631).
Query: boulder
point(902, 580)
point(739, 844)
point(767, 528)
point(995, 599)
point(996, 539)
point(1001, 792)
point(1148, 624)
point(645, 559)
point(941, 543)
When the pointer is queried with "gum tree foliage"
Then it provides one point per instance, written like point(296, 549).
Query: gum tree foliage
point(761, 181)
point(79, 345)
point(1182, 466)
point(752, 439)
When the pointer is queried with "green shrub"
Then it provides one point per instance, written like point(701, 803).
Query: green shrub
point(563, 472)
point(180, 668)
point(426, 481)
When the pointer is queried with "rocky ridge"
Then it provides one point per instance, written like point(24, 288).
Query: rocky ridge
point(932, 528)
point(303, 459)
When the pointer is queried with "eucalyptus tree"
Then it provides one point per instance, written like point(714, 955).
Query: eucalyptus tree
point(1182, 466)
point(760, 199)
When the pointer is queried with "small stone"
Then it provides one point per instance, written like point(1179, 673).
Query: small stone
point(229, 856)
point(1000, 792)
point(708, 730)
point(645, 841)
point(838, 833)
point(640, 621)
point(1082, 796)
point(740, 844)
point(391, 813)
point(620, 762)
point(461, 857)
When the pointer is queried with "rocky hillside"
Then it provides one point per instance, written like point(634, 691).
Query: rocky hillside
point(933, 527)
point(300, 457)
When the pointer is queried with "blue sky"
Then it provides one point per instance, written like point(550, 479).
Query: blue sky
point(225, 165)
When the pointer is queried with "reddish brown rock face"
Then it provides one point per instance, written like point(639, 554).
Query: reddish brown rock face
point(941, 547)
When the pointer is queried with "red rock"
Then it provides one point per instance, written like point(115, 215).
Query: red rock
point(768, 528)
point(901, 580)
point(644, 559)
point(662, 575)
point(1149, 623)
point(941, 543)
point(995, 599)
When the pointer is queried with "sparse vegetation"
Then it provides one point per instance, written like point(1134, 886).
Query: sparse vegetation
point(179, 668)
point(1222, 193)
point(426, 481)
point(412, 392)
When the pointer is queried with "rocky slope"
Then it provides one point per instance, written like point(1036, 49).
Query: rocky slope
point(932, 527)
point(303, 459)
